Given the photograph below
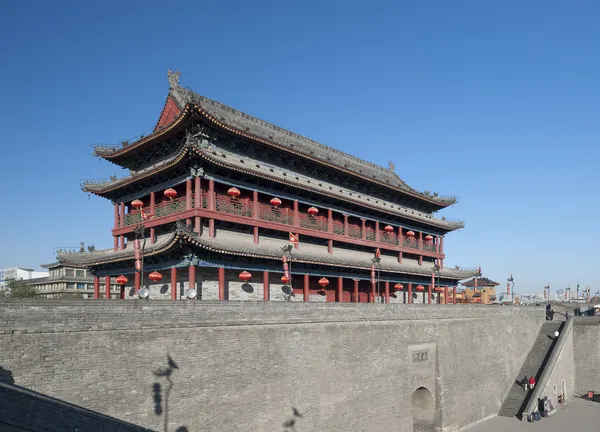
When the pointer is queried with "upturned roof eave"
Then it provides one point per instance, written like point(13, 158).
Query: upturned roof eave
point(104, 189)
point(183, 235)
point(185, 106)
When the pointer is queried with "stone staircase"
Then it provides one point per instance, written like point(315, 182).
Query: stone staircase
point(517, 398)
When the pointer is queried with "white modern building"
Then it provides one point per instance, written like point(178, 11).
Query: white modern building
point(19, 273)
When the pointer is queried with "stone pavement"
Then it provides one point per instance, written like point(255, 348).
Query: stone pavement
point(579, 415)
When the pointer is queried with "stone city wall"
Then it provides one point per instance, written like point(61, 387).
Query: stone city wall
point(244, 366)
point(586, 348)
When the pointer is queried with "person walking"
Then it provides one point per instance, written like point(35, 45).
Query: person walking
point(567, 316)
point(531, 383)
point(525, 383)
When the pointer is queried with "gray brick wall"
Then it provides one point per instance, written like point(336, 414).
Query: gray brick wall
point(24, 410)
point(586, 347)
point(243, 366)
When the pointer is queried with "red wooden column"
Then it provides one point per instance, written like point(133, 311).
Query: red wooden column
point(430, 287)
point(211, 207)
point(266, 285)
point(296, 214)
point(116, 215)
point(387, 291)
point(400, 257)
point(446, 295)
point(400, 238)
point(137, 282)
point(152, 209)
point(420, 240)
point(192, 276)
point(377, 231)
point(340, 290)
point(330, 246)
point(410, 293)
point(122, 216)
point(442, 251)
point(96, 287)
point(454, 294)
point(221, 272)
point(306, 288)
point(122, 224)
point(355, 290)
point(173, 283)
point(364, 229)
point(329, 221)
point(188, 199)
point(346, 225)
point(197, 204)
point(115, 238)
point(255, 213)
point(107, 287)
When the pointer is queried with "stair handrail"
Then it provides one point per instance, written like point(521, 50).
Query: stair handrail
point(540, 385)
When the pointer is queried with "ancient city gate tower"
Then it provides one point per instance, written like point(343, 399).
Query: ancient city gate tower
point(221, 205)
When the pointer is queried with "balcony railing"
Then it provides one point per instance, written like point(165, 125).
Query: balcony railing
point(245, 208)
point(274, 214)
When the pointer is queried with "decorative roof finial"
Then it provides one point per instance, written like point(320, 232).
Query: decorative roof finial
point(392, 166)
point(173, 79)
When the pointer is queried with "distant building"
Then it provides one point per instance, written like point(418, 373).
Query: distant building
point(480, 290)
point(18, 273)
point(71, 280)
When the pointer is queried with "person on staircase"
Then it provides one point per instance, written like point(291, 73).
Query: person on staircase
point(531, 382)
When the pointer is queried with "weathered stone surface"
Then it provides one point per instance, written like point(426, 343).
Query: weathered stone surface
point(586, 348)
point(246, 365)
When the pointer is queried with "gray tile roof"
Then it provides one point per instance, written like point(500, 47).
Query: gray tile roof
point(234, 243)
point(274, 172)
point(292, 141)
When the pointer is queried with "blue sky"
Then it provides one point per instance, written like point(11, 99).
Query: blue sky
point(495, 102)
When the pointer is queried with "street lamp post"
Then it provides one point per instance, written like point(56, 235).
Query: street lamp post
point(511, 281)
point(377, 263)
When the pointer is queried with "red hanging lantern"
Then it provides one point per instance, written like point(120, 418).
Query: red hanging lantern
point(323, 282)
point(275, 202)
point(285, 279)
point(388, 229)
point(155, 276)
point(245, 276)
point(420, 287)
point(313, 211)
point(233, 192)
point(136, 203)
point(121, 280)
point(170, 193)
point(410, 234)
point(399, 286)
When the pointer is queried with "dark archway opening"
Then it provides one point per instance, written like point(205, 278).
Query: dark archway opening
point(423, 410)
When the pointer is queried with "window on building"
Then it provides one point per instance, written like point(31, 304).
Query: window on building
point(70, 286)
point(80, 286)
point(69, 272)
point(80, 273)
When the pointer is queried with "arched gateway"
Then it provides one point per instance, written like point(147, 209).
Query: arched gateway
point(423, 410)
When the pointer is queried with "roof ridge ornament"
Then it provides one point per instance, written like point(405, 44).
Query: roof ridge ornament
point(392, 166)
point(173, 79)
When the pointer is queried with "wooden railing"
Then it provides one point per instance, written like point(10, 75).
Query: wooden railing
point(245, 208)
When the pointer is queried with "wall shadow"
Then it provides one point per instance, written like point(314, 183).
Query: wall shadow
point(18, 404)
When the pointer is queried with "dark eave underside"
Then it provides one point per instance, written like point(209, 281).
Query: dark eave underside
point(237, 244)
